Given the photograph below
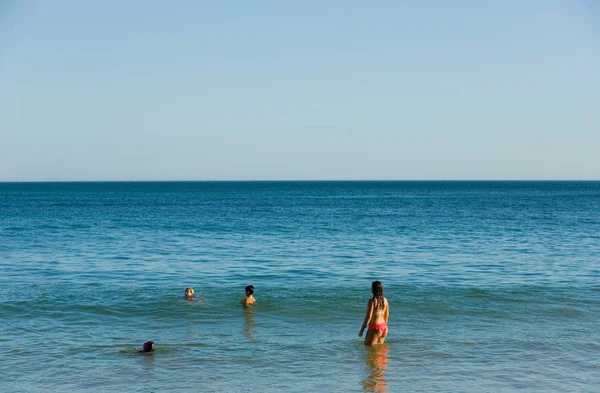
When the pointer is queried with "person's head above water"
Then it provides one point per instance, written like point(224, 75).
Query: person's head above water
point(377, 288)
point(148, 347)
point(249, 299)
point(189, 293)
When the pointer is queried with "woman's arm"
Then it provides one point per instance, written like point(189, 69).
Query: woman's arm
point(367, 317)
point(387, 311)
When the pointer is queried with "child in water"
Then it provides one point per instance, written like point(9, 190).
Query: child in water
point(148, 347)
point(189, 293)
point(249, 299)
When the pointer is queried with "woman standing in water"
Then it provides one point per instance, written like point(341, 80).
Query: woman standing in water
point(378, 311)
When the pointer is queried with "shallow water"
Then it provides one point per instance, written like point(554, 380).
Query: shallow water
point(493, 286)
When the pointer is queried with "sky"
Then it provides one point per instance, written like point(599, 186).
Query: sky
point(299, 90)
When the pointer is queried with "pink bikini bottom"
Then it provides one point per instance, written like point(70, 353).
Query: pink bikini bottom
point(379, 326)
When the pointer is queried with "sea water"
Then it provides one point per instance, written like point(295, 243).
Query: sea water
point(493, 286)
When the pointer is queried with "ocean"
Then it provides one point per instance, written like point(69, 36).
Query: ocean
point(492, 286)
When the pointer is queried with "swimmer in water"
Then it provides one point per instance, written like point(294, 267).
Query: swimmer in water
point(189, 293)
point(378, 311)
point(148, 347)
point(249, 299)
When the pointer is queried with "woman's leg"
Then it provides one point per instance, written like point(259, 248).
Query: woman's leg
point(381, 338)
point(372, 336)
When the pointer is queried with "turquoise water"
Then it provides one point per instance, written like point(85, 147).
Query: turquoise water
point(493, 286)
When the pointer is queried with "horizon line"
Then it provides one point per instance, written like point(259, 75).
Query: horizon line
point(298, 180)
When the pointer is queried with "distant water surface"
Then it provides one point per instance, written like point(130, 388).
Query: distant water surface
point(493, 286)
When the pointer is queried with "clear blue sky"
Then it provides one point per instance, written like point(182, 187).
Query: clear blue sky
point(266, 90)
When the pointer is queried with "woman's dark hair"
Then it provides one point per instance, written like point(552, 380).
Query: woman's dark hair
point(148, 346)
point(377, 289)
point(250, 289)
